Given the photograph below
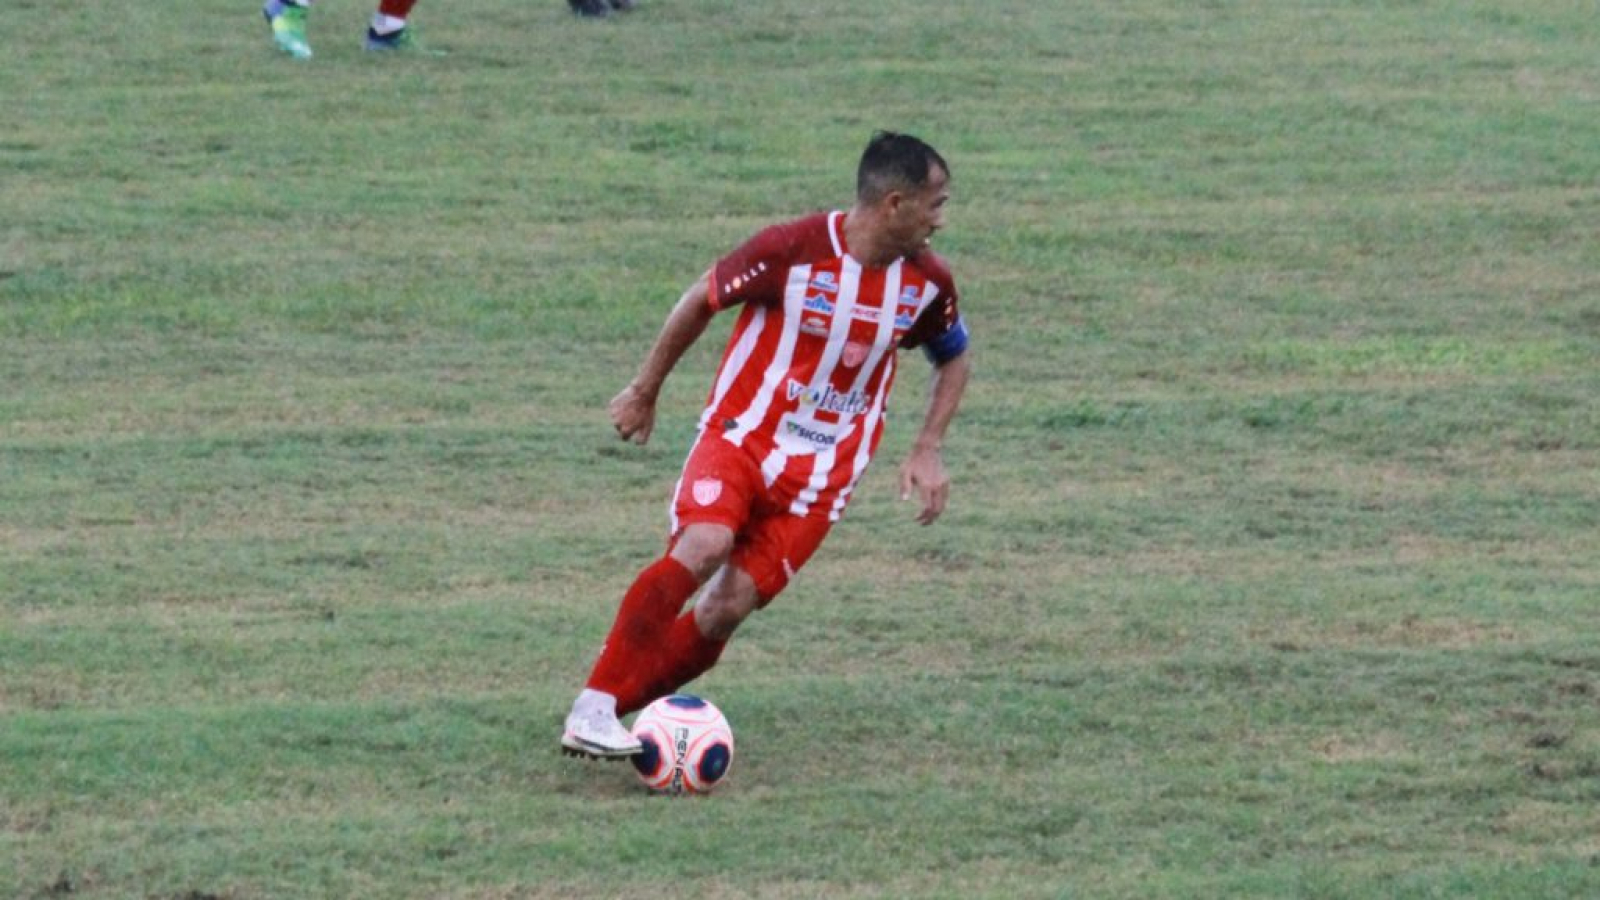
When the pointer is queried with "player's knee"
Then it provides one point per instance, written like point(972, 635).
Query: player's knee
point(703, 548)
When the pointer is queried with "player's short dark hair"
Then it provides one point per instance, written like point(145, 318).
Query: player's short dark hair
point(895, 162)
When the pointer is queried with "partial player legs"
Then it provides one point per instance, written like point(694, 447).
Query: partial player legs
point(633, 646)
point(645, 643)
point(695, 640)
point(636, 636)
point(388, 30)
point(654, 647)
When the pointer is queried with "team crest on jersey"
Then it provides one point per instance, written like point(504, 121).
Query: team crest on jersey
point(855, 354)
point(825, 282)
point(707, 490)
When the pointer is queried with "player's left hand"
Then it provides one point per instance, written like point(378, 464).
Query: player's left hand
point(923, 472)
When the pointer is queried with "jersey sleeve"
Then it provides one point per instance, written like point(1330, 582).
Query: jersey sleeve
point(755, 271)
point(939, 330)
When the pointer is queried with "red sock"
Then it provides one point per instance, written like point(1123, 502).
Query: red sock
point(639, 634)
point(693, 654)
point(397, 8)
point(686, 655)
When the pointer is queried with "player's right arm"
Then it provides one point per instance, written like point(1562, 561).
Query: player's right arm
point(633, 410)
point(753, 273)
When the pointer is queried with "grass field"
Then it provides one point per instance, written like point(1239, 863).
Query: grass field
point(1272, 567)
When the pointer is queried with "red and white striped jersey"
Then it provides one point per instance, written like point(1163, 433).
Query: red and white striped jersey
point(804, 382)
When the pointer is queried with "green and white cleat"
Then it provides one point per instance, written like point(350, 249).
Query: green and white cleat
point(403, 42)
point(288, 27)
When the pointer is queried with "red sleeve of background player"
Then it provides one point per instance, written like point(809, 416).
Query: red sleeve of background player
point(757, 271)
point(939, 328)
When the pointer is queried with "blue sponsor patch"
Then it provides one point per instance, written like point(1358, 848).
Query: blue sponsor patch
point(819, 303)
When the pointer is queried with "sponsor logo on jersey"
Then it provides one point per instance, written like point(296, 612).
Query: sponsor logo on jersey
point(813, 436)
point(905, 309)
point(829, 398)
point(818, 303)
point(707, 490)
point(865, 313)
point(825, 282)
point(744, 278)
point(815, 326)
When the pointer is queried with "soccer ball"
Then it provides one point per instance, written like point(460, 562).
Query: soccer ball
point(687, 743)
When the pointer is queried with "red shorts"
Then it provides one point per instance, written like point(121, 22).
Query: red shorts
point(721, 484)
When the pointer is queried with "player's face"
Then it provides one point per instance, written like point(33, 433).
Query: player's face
point(921, 211)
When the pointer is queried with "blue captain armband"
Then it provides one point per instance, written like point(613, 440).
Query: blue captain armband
point(949, 345)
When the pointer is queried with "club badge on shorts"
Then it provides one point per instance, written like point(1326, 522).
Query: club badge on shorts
point(707, 490)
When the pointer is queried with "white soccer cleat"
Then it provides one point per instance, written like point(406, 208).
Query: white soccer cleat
point(597, 734)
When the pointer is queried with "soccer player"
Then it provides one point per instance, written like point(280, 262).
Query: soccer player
point(387, 32)
point(795, 413)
